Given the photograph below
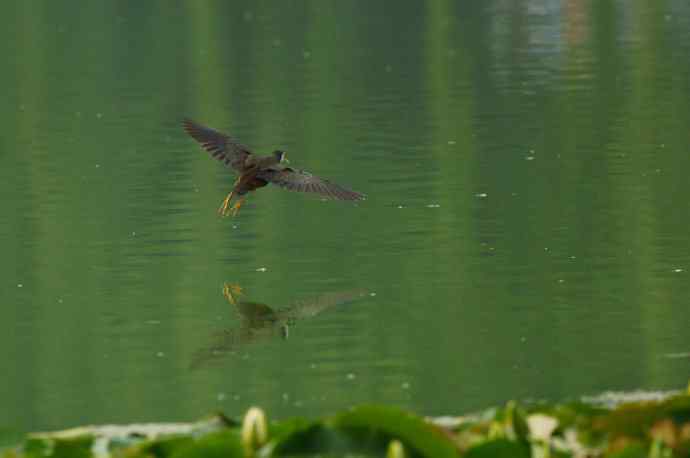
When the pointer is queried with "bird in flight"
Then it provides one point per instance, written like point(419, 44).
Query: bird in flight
point(256, 171)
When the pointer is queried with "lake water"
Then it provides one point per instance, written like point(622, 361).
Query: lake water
point(525, 234)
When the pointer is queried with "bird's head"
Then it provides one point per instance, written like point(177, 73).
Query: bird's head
point(281, 156)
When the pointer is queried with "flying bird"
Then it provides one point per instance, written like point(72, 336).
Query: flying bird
point(256, 171)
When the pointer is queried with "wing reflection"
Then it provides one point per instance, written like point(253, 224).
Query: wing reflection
point(260, 321)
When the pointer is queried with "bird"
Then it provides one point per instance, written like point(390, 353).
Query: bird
point(259, 321)
point(256, 171)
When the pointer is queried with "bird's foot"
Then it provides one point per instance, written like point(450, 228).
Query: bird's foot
point(223, 209)
point(230, 291)
point(236, 207)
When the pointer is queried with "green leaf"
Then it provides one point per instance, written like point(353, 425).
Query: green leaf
point(298, 436)
point(166, 447)
point(376, 426)
point(78, 447)
point(499, 448)
point(222, 444)
point(631, 451)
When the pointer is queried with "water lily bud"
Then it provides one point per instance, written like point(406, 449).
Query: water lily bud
point(395, 449)
point(254, 430)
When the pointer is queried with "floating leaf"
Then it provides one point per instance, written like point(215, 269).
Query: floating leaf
point(164, 448)
point(378, 425)
point(78, 447)
point(223, 444)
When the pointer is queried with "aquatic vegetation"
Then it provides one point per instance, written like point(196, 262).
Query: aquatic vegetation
point(641, 428)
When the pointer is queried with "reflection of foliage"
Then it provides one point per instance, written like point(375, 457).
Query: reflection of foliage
point(260, 321)
point(635, 429)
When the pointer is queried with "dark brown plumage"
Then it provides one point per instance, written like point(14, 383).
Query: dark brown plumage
point(256, 171)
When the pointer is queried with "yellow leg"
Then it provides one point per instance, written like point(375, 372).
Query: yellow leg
point(236, 207)
point(230, 290)
point(223, 210)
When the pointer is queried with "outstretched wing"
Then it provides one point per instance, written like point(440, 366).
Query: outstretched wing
point(312, 307)
point(221, 146)
point(299, 180)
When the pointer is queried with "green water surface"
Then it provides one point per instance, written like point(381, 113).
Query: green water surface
point(525, 233)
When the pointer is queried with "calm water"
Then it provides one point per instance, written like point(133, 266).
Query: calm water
point(525, 236)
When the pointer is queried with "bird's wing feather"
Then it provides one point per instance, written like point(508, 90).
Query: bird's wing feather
point(300, 180)
point(220, 146)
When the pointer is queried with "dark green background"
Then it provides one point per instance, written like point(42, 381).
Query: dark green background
point(526, 232)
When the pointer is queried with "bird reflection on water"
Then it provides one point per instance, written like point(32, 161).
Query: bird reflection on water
point(260, 321)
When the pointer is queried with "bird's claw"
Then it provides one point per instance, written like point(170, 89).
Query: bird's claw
point(223, 209)
point(230, 291)
point(236, 207)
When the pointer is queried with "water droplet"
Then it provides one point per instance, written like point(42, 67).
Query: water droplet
point(482, 194)
point(433, 206)
point(372, 294)
point(160, 354)
point(19, 285)
point(350, 376)
point(405, 386)
point(99, 115)
point(261, 269)
point(451, 142)
point(221, 396)
point(306, 54)
point(679, 270)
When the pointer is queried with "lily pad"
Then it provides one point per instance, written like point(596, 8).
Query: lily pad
point(376, 426)
point(302, 437)
point(222, 444)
